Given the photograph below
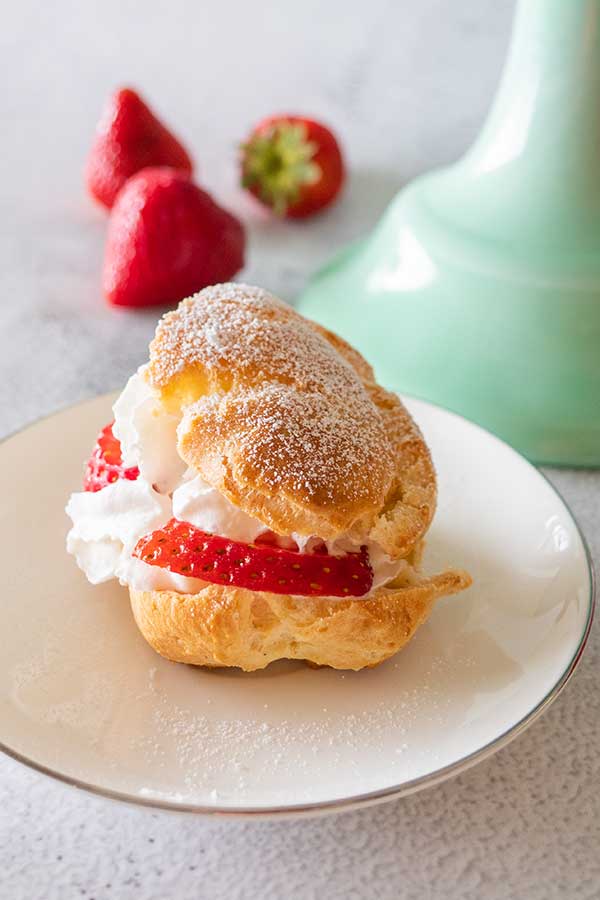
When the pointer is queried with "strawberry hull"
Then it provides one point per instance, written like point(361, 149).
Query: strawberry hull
point(293, 165)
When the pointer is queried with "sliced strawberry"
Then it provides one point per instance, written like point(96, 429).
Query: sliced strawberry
point(105, 465)
point(184, 549)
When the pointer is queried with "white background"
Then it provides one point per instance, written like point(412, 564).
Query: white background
point(406, 85)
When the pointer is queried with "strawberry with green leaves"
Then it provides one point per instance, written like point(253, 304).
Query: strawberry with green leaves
point(293, 165)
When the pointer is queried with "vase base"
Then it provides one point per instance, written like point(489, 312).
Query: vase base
point(506, 335)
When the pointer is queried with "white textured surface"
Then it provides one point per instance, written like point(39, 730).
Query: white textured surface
point(406, 84)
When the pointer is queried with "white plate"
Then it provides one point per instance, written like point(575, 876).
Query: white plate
point(83, 698)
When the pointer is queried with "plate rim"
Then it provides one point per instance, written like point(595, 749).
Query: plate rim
point(368, 798)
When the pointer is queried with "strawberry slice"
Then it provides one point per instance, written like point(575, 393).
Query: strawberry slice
point(184, 549)
point(105, 465)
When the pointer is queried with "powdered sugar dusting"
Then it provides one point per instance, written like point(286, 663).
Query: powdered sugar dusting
point(246, 331)
point(280, 388)
point(328, 450)
point(310, 441)
point(224, 757)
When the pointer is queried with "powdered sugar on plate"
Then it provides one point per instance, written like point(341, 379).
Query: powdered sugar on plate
point(219, 757)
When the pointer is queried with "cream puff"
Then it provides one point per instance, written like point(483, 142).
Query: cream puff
point(260, 495)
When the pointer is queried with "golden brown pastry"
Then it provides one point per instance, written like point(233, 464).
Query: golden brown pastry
point(279, 437)
point(286, 420)
point(225, 626)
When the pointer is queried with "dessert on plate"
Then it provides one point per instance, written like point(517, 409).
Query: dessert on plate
point(260, 495)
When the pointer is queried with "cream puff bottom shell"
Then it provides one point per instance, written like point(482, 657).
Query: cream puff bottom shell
point(227, 626)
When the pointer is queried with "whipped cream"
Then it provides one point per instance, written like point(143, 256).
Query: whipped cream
point(197, 502)
point(148, 435)
point(107, 524)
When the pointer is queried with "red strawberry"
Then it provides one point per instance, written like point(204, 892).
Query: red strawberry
point(129, 137)
point(105, 464)
point(166, 240)
point(182, 548)
point(293, 165)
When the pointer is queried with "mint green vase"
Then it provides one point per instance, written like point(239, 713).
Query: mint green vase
point(480, 287)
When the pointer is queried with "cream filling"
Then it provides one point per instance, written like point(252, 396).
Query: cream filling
point(108, 524)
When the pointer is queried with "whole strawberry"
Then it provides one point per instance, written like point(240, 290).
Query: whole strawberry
point(166, 239)
point(293, 165)
point(129, 137)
